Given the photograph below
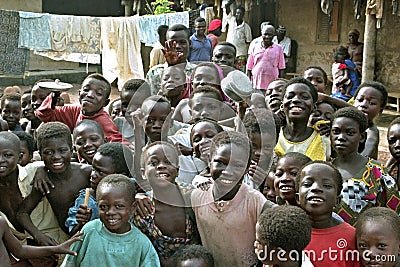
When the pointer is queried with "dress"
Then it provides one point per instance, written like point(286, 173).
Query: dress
point(264, 64)
point(228, 230)
point(316, 147)
point(371, 187)
point(71, 115)
point(200, 50)
point(328, 246)
point(100, 247)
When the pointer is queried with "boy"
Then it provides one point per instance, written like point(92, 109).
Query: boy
point(319, 184)
point(93, 97)
point(11, 111)
point(226, 214)
point(201, 45)
point(55, 147)
point(27, 147)
point(112, 240)
point(285, 230)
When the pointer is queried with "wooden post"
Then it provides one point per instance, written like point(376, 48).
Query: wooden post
point(128, 7)
point(368, 67)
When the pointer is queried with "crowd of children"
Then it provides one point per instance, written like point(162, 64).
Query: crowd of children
point(178, 174)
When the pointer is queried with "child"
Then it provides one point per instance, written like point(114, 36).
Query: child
point(318, 77)
point(319, 184)
point(366, 182)
point(114, 109)
point(371, 98)
point(321, 118)
point(285, 230)
point(226, 214)
point(287, 168)
point(393, 138)
point(269, 188)
point(55, 147)
point(27, 147)
point(110, 158)
point(28, 113)
point(112, 240)
point(10, 107)
point(173, 85)
point(299, 99)
point(88, 136)
point(378, 237)
point(93, 97)
point(10, 244)
point(274, 94)
point(193, 255)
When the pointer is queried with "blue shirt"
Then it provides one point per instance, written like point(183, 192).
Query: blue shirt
point(199, 50)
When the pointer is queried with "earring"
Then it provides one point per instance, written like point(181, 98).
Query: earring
point(281, 107)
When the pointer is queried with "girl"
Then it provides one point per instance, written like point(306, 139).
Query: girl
point(318, 77)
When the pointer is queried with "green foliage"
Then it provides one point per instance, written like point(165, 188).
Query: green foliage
point(162, 7)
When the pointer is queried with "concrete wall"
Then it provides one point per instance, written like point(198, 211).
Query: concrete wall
point(22, 5)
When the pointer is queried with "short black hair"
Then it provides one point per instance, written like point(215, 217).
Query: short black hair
point(134, 85)
point(313, 89)
point(324, 75)
point(260, 121)
point(303, 159)
point(354, 114)
point(144, 155)
point(378, 86)
point(200, 19)
point(395, 121)
point(215, 123)
point(227, 44)
point(341, 50)
point(337, 176)
point(10, 97)
point(91, 124)
point(50, 130)
point(119, 154)
point(157, 99)
point(231, 137)
point(241, 8)
point(287, 227)
point(193, 252)
point(180, 27)
point(28, 139)
point(162, 29)
point(382, 215)
point(118, 181)
point(100, 77)
point(110, 106)
point(206, 89)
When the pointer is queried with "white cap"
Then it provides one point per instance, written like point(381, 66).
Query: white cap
point(237, 86)
point(55, 86)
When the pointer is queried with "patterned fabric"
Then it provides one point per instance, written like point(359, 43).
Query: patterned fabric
point(371, 187)
point(12, 58)
point(34, 31)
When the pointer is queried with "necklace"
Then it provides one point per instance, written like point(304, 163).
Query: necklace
point(221, 204)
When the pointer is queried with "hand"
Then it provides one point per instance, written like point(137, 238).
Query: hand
point(41, 181)
point(172, 56)
point(55, 98)
point(64, 248)
point(83, 214)
point(144, 206)
point(186, 151)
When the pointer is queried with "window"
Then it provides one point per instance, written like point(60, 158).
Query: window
point(328, 28)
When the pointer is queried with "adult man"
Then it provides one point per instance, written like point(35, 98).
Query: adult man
point(239, 34)
point(266, 60)
point(355, 49)
point(282, 40)
point(201, 47)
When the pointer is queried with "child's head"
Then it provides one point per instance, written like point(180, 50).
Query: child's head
point(9, 153)
point(94, 94)
point(224, 54)
point(205, 102)
point(274, 93)
point(200, 26)
point(114, 109)
point(230, 155)
point(162, 30)
point(341, 54)
point(26, 106)
point(110, 158)
point(288, 166)
point(286, 228)
point(393, 137)
point(371, 99)
point(39, 94)
point(115, 198)
point(27, 147)
point(88, 136)
point(173, 82)
point(324, 112)
point(348, 130)
point(319, 184)
point(201, 135)
point(10, 107)
point(207, 73)
point(269, 189)
point(193, 255)
point(378, 237)
point(55, 146)
point(181, 35)
point(299, 98)
point(156, 111)
point(317, 76)
point(133, 87)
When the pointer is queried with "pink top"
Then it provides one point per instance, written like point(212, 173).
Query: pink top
point(264, 64)
point(214, 40)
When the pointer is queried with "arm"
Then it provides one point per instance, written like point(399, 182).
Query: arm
point(372, 143)
point(41, 181)
point(338, 103)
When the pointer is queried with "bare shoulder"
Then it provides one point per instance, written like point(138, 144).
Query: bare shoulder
point(182, 104)
point(81, 168)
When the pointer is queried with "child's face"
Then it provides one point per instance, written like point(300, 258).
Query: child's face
point(182, 42)
point(93, 96)
point(316, 77)
point(224, 55)
point(115, 208)
point(86, 142)
point(379, 238)
point(194, 262)
point(273, 95)
point(203, 132)
point(269, 189)
point(285, 176)
point(26, 156)
point(339, 58)
point(345, 135)
point(11, 113)
point(101, 167)
point(161, 165)
point(26, 106)
point(173, 82)
point(9, 157)
point(263, 145)
point(116, 109)
point(324, 111)
point(298, 102)
point(205, 106)
point(156, 123)
point(206, 75)
point(38, 96)
point(369, 102)
point(227, 168)
point(56, 154)
point(393, 137)
point(317, 190)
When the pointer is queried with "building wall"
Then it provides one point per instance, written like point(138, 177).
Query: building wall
point(22, 5)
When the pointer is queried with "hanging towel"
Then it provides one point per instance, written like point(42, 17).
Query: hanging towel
point(34, 31)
